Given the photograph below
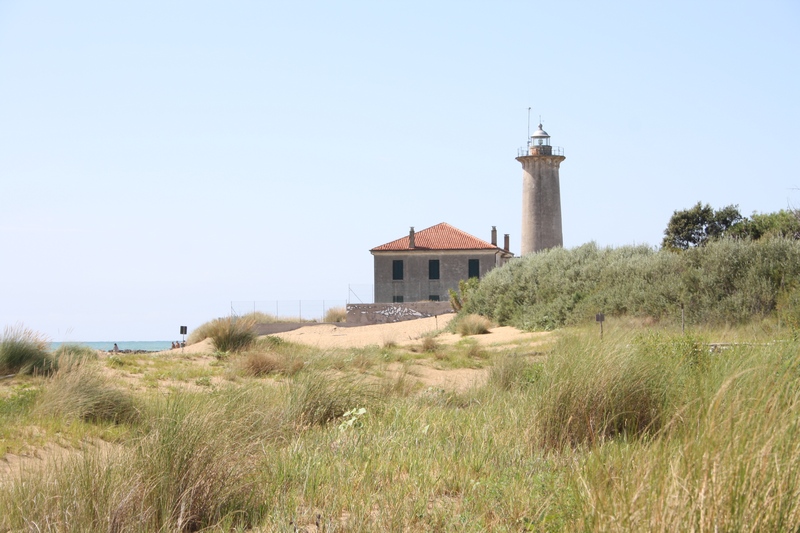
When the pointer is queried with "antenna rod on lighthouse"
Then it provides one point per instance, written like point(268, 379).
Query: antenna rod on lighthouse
point(529, 127)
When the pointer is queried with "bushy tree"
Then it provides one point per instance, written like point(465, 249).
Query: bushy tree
point(699, 224)
point(779, 224)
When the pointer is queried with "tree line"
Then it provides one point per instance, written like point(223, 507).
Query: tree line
point(700, 224)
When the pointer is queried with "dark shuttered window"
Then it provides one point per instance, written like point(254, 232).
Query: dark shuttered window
point(474, 268)
point(397, 269)
point(433, 269)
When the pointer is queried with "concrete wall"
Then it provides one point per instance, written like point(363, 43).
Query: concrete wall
point(366, 314)
point(541, 203)
point(279, 327)
point(415, 285)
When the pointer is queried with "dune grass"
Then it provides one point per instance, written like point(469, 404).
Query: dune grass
point(645, 430)
point(335, 314)
point(82, 392)
point(24, 351)
point(231, 334)
point(472, 324)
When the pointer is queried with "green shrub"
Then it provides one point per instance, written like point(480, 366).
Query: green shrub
point(725, 281)
point(24, 351)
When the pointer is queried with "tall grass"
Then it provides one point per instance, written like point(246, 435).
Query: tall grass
point(640, 431)
point(590, 392)
point(316, 398)
point(335, 314)
point(24, 351)
point(261, 363)
point(83, 392)
point(192, 466)
point(231, 334)
point(73, 354)
point(729, 462)
point(472, 324)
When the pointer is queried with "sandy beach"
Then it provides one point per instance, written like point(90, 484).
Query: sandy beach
point(328, 336)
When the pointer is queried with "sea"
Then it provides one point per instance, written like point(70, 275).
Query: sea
point(107, 346)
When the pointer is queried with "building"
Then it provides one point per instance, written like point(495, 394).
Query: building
point(426, 264)
point(541, 195)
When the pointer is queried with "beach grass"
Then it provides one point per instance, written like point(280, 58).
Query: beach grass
point(231, 334)
point(24, 351)
point(646, 430)
point(472, 324)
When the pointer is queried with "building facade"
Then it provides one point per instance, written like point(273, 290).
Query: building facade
point(425, 265)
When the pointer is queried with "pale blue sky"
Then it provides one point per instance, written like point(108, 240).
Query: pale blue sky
point(161, 159)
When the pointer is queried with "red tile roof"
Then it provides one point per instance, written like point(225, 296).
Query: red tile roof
point(439, 237)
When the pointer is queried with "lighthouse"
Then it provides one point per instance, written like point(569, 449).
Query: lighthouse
point(541, 194)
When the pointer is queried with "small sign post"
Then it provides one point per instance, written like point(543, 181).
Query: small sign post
point(184, 329)
point(600, 317)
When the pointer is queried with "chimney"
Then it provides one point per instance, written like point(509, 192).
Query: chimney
point(494, 235)
point(505, 242)
point(411, 238)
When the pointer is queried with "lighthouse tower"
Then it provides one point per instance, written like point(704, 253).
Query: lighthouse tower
point(541, 195)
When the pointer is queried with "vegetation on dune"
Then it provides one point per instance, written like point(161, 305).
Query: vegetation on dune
point(702, 224)
point(73, 354)
point(82, 392)
point(643, 431)
point(335, 314)
point(212, 327)
point(231, 334)
point(725, 281)
point(24, 351)
point(466, 325)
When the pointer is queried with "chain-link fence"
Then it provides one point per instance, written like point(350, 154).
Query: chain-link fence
point(303, 310)
point(299, 310)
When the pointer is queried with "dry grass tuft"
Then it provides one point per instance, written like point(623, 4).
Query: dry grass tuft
point(473, 325)
point(429, 343)
point(81, 391)
point(232, 334)
point(335, 314)
point(262, 363)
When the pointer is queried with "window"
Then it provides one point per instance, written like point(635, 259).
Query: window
point(474, 268)
point(397, 299)
point(433, 297)
point(397, 269)
point(433, 269)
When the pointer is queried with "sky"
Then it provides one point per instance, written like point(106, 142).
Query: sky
point(161, 160)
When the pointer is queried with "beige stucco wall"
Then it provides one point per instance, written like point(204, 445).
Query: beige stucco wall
point(415, 286)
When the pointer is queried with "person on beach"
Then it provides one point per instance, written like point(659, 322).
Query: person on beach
point(116, 348)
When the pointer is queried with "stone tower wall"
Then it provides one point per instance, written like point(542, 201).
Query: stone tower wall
point(541, 203)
